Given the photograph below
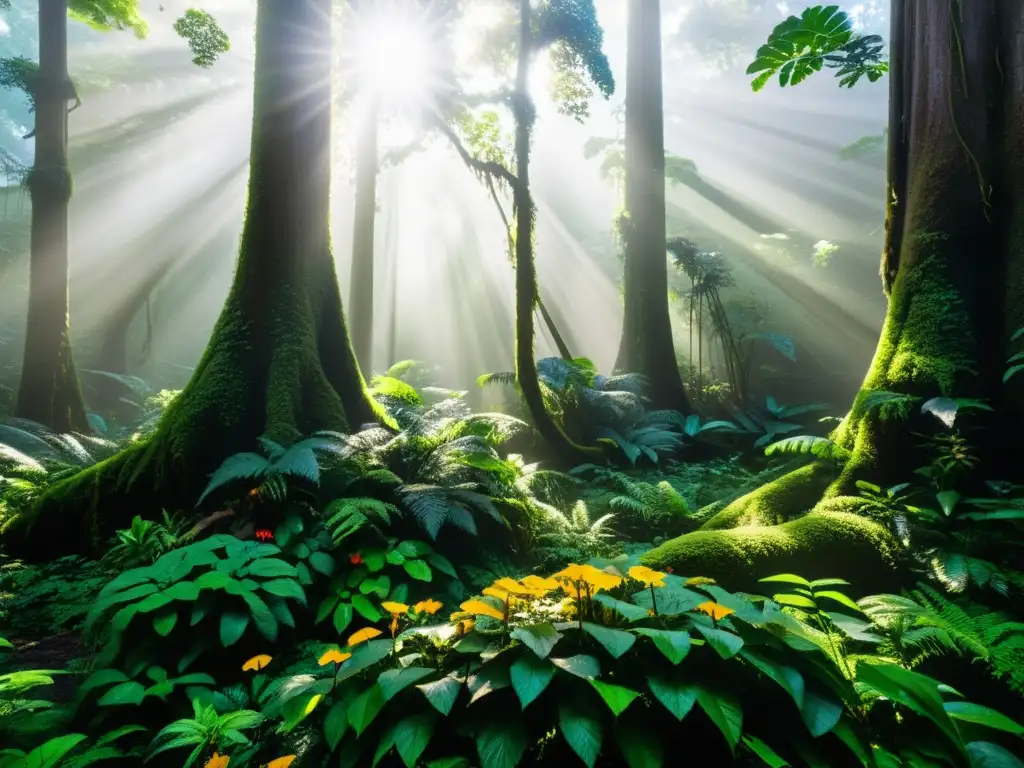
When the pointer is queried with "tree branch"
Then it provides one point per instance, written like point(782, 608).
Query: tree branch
point(489, 169)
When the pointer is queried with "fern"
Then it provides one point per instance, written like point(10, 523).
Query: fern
point(809, 445)
point(345, 517)
point(926, 623)
point(889, 406)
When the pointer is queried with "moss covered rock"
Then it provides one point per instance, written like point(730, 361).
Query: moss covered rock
point(819, 545)
point(773, 503)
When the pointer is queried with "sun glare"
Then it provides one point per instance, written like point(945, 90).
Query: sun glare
point(397, 58)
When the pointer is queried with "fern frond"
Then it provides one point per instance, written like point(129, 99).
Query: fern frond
point(241, 466)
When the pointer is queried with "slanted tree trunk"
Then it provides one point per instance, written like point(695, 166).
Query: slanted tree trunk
point(50, 392)
point(279, 361)
point(360, 301)
point(953, 260)
point(647, 347)
point(524, 114)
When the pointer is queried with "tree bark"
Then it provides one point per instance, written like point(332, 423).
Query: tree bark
point(365, 219)
point(279, 362)
point(647, 347)
point(525, 269)
point(953, 262)
point(953, 259)
point(49, 392)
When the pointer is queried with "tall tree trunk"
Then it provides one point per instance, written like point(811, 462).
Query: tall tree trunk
point(50, 392)
point(953, 262)
point(953, 259)
point(279, 362)
point(362, 284)
point(526, 270)
point(646, 346)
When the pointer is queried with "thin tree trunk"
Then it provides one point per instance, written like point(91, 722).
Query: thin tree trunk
point(362, 283)
point(647, 346)
point(50, 392)
point(526, 272)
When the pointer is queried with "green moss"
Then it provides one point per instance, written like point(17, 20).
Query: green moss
point(815, 546)
point(775, 502)
point(851, 505)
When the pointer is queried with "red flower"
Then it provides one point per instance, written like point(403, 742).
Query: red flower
point(356, 559)
point(264, 534)
point(668, 570)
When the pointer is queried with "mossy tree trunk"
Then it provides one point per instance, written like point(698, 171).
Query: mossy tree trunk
point(953, 260)
point(279, 361)
point(647, 347)
point(524, 115)
point(50, 392)
point(360, 301)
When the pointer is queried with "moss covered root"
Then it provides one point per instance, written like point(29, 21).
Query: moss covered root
point(819, 545)
point(776, 502)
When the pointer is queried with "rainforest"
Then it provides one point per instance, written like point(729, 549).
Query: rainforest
point(497, 383)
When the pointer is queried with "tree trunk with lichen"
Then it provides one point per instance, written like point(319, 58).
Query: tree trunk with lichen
point(279, 361)
point(953, 260)
point(49, 392)
point(647, 346)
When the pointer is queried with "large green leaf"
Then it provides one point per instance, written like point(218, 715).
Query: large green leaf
point(673, 644)
point(530, 675)
point(394, 681)
point(915, 691)
point(976, 713)
point(615, 696)
point(725, 712)
point(502, 743)
point(49, 754)
point(130, 692)
point(285, 588)
point(364, 708)
point(232, 627)
point(676, 696)
point(768, 755)
point(412, 735)
point(336, 723)
point(582, 731)
point(264, 619)
point(365, 608)
point(271, 568)
point(442, 693)
point(628, 611)
point(580, 665)
point(615, 641)
point(418, 570)
point(539, 638)
point(726, 643)
point(984, 754)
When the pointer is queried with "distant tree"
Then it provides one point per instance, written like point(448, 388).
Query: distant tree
point(49, 391)
point(646, 346)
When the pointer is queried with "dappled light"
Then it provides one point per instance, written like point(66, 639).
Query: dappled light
point(501, 383)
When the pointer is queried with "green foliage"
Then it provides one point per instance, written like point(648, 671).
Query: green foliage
point(145, 541)
point(39, 601)
point(19, 73)
point(571, 30)
point(206, 39)
point(821, 37)
point(105, 15)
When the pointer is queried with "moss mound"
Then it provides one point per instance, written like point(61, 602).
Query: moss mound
point(776, 502)
point(819, 545)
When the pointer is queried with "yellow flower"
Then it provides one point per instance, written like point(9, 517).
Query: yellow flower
point(480, 608)
point(395, 609)
point(589, 575)
point(458, 615)
point(429, 607)
point(463, 628)
point(334, 655)
point(217, 761)
point(697, 581)
point(281, 762)
point(394, 626)
point(256, 663)
point(501, 594)
point(362, 636)
point(513, 587)
point(714, 610)
point(540, 585)
point(648, 576)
